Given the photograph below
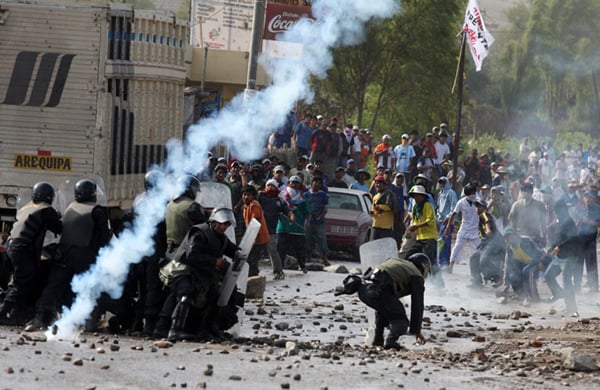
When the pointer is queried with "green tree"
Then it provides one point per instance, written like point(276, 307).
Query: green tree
point(546, 70)
point(401, 76)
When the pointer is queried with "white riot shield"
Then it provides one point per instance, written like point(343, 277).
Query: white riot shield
point(237, 276)
point(372, 254)
point(234, 271)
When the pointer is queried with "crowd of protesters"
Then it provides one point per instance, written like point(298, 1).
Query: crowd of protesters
point(514, 221)
point(518, 219)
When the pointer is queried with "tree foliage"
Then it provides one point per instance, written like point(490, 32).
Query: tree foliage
point(547, 68)
point(401, 76)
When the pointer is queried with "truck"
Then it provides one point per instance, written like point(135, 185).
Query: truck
point(87, 89)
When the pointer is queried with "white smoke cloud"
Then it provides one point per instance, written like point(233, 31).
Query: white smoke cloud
point(339, 22)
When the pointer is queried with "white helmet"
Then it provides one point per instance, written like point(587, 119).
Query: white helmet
point(222, 215)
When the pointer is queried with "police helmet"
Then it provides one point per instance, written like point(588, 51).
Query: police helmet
point(422, 262)
point(351, 284)
point(85, 191)
point(151, 179)
point(42, 192)
point(222, 215)
point(191, 182)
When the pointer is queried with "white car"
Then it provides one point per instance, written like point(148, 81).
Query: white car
point(348, 219)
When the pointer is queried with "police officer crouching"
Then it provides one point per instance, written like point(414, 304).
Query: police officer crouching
point(194, 275)
point(381, 290)
point(24, 253)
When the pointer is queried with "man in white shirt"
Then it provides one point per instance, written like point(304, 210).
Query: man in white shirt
point(468, 233)
point(405, 154)
point(442, 152)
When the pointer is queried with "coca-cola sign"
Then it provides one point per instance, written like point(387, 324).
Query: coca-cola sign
point(280, 18)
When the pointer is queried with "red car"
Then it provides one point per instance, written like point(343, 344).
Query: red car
point(348, 219)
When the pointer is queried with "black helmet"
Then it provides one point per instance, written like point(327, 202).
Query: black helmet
point(192, 184)
point(152, 177)
point(85, 191)
point(351, 285)
point(422, 262)
point(42, 192)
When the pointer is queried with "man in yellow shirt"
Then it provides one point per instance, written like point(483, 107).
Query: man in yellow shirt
point(424, 226)
point(383, 210)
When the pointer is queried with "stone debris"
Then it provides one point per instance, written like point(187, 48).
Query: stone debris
point(336, 269)
point(577, 361)
point(255, 288)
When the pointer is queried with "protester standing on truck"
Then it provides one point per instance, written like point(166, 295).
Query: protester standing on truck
point(86, 229)
point(24, 253)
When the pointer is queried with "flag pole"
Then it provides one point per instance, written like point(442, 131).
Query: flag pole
point(458, 81)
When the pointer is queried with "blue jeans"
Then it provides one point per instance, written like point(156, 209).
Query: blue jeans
point(444, 255)
point(316, 236)
point(569, 279)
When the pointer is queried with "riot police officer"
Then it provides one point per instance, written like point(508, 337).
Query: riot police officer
point(24, 252)
point(393, 279)
point(197, 285)
point(151, 293)
point(182, 213)
point(86, 229)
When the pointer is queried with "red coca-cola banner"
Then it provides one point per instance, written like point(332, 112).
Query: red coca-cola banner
point(280, 18)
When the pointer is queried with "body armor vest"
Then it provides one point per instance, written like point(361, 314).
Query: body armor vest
point(29, 222)
point(78, 224)
point(177, 220)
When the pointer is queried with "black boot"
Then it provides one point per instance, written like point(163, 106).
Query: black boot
point(161, 330)
point(397, 329)
point(180, 315)
point(150, 322)
point(14, 315)
point(379, 328)
point(40, 322)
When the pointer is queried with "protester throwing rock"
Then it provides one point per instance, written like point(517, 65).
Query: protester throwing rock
point(382, 288)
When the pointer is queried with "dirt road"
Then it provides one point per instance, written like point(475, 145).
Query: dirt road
point(300, 336)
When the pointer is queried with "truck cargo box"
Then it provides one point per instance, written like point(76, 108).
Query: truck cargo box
point(87, 90)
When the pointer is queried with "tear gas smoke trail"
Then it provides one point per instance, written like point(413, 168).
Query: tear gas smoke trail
point(244, 131)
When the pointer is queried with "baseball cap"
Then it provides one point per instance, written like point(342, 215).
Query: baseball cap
point(272, 182)
point(350, 161)
point(379, 178)
point(399, 174)
point(340, 169)
point(279, 168)
point(405, 136)
point(386, 136)
point(355, 127)
point(295, 179)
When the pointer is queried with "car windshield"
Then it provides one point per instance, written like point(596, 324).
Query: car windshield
point(343, 201)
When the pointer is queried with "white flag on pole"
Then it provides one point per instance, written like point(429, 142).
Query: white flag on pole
point(478, 37)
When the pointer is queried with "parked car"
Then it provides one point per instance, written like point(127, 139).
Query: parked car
point(348, 219)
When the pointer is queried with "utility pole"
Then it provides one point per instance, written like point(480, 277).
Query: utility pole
point(257, 29)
